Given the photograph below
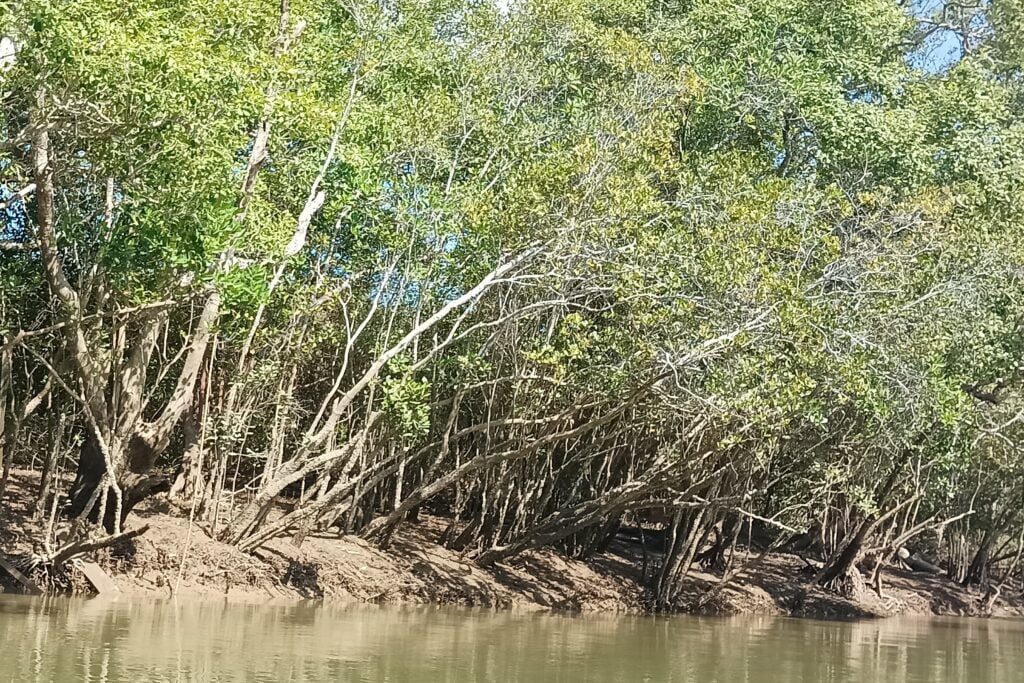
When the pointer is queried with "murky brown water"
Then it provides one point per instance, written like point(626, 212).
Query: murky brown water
point(126, 640)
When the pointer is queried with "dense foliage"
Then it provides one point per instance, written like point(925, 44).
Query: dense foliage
point(540, 267)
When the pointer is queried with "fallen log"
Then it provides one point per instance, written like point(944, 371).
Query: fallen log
point(28, 583)
point(94, 573)
point(79, 548)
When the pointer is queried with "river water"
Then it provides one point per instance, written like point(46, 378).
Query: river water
point(59, 639)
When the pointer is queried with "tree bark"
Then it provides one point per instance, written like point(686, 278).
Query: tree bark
point(977, 572)
point(842, 568)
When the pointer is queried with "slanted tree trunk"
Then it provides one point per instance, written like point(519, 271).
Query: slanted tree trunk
point(382, 528)
point(135, 443)
point(1002, 517)
point(840, 572)
point(121, 447)
point(977, 572)
point(684, 542)
point(188, 484)
point(564, 523)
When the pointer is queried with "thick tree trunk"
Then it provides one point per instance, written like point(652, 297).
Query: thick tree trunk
point(134, 475)
point(189, 482)
point(135, 486)
point(839, 573)
point(137, 445)
point(687, 530)
point(977, 572)
point(88, 475)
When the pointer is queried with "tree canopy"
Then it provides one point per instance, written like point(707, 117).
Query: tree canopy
point(539, 267)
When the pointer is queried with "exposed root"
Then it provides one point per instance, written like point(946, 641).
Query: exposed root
point(52, 571)
point(849, 585)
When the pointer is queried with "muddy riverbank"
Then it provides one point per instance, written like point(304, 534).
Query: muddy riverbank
point(175, 557)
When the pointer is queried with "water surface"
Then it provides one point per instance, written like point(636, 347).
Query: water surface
point(58, 639)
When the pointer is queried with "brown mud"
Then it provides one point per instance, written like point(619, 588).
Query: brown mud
point(176, 558)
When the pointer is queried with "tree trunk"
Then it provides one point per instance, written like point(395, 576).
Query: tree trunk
point(189, 481)
point(956, 557)
point(49, 473)
point(841, 575)
point(977, 572)
point(687, 530)
point(840, 572)
point(715, 557)
point(6, 450)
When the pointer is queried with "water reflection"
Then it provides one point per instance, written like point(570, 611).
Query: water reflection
point(100, 640)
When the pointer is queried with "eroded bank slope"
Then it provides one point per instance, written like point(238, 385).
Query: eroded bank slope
point(176, 558)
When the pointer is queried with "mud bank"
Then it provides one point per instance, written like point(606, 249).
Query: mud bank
point(176, 558)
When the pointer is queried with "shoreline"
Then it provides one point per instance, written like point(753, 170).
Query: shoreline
point(416, 570)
